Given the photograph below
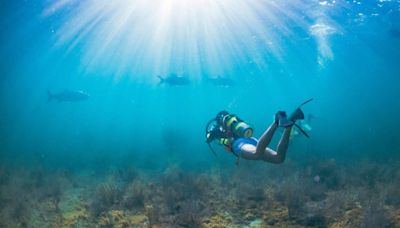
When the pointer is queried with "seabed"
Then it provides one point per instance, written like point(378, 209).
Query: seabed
point(323, 194)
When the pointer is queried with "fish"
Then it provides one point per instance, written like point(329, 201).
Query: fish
point(68, 96)
point(175, 80)
point(222, 81)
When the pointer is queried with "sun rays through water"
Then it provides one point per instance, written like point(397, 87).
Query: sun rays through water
point(197, 37)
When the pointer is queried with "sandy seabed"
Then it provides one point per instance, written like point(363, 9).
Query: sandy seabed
point(322, 194)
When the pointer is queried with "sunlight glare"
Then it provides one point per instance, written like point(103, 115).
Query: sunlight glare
point(196, 37)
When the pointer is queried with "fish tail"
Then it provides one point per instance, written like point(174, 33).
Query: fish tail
point(162, 80)
point(49, 96)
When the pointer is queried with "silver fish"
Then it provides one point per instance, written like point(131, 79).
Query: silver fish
point(68, 96)
point(221, 81)
point(173, 79)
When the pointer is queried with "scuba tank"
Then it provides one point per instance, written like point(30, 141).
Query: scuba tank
point(238, 127)
point(225, 127)
point(234, 124)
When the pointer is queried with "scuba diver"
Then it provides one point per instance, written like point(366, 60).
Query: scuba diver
point(236, 136)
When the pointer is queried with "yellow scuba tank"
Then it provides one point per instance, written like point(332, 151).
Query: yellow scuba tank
point(238, 126)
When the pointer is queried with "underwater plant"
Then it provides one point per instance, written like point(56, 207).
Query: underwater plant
point(392, 194)
point(368, 174)
point(189, 215)
point(303, 200)
point(153, 214)
point(4, 176)
point(375, 216)
point(316, 191)
point(295, 205)
point(314, 220)
point(172, 195)
point(189, 187)
point(14, 211)
point(328, 174)
point(106, 195)
point(127, 174)
point(53, 190)
point(249, 196)
point(188, 220)
point(38, 176)
point(134, 197)
point(48, 186)
point(255, 194)
point(337, 202)
point(307, 213)
point(20, 210)
point(173, 174)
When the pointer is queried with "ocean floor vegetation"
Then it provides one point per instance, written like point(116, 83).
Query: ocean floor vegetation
point(317, 194)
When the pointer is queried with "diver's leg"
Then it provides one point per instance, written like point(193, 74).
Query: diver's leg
point(265, 139)
point(279, 155)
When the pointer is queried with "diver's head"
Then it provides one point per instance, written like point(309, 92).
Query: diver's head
point(221, 116)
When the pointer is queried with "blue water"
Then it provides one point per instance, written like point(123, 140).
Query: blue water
point(344, 54)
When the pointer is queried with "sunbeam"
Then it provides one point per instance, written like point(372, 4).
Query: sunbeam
point(197, 37)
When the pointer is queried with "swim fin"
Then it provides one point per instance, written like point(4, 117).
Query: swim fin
point(298, 114)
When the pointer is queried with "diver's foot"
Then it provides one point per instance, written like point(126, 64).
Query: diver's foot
point(282, 120)
point(278, 116)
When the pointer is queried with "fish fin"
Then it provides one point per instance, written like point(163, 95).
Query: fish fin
point(49, 96)
point(162, 80)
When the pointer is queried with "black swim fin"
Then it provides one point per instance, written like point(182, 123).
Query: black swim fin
point(285, 121)
point(298, 114)
point(301, 130)
point(305, 102)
